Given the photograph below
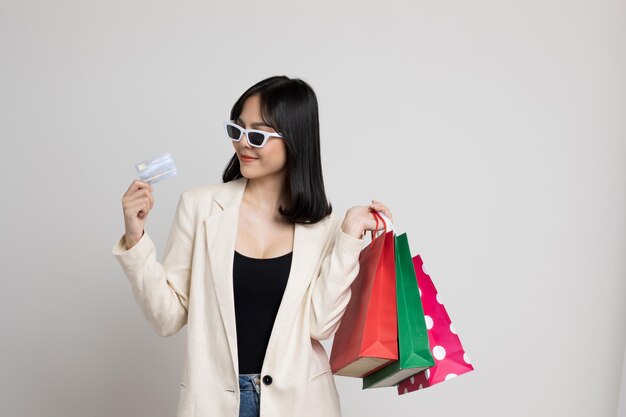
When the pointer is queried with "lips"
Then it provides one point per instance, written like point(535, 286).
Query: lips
point(245, 158)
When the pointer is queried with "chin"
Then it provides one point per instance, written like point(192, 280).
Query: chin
point(255, 175)
point(245, 172)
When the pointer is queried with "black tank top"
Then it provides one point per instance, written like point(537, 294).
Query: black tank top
point(258, 286)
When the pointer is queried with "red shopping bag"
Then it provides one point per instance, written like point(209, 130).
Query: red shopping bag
point(367, 338)
point(450, 358)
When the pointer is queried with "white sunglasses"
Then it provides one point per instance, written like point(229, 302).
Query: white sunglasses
point(256, 138)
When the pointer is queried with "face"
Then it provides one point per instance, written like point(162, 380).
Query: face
point(270, 159)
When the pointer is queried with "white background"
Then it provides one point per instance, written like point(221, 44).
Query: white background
point(494, 131)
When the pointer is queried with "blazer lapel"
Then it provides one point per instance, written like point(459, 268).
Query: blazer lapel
point(221, 233)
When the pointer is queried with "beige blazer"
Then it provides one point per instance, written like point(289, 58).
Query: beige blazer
point(193, 285)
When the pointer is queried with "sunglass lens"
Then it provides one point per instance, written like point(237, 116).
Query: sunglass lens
point(255, 138)
point(233, 132)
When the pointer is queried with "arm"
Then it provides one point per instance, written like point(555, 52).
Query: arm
point(330, 288)
point(162, 290)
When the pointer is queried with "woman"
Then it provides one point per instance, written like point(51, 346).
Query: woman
point(258, 266)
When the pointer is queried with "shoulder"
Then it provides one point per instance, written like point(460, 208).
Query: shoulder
point(205, 192)
point(203, 199)
point(330, 225)
point(199, 192)
point(332, 221)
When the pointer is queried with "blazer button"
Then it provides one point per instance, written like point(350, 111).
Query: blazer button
point(267, 380)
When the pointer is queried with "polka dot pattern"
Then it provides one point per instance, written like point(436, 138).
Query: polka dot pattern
point(439, 352)
point(450, 358)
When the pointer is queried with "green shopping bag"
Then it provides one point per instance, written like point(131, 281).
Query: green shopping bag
point(414, 349)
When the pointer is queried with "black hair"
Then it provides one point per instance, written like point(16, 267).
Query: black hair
point(289, 106)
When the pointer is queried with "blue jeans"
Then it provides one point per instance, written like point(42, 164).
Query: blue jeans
point(250, 395)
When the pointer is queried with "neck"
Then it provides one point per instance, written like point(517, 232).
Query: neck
point(266, 193)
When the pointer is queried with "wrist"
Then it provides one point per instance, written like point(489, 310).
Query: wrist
point(132, 240)
point(356, 232)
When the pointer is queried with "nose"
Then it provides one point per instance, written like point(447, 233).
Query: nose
point(244, 140)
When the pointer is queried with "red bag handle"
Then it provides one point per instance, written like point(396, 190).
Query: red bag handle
point(377, 216)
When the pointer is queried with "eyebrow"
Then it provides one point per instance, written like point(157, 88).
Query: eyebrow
point(255, 124)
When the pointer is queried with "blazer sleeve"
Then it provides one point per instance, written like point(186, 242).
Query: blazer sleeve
point(330, 288)
point(162, 289)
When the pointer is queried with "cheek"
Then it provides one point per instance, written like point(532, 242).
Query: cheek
point(276, 155)
point(281, 158)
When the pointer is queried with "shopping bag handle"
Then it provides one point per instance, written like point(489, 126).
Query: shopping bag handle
point(387, 221)
point(378, 214)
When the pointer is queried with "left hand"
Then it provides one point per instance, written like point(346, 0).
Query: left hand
point(360, 219)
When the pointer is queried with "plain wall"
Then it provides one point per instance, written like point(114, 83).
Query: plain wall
point(621, 412)
point(494, 131)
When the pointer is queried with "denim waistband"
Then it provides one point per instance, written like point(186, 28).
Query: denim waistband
point(250, 382)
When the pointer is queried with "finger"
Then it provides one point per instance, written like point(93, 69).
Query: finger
point(383, 208)
point(142, 202)
point(146, 185)
point(135, 207)
point(378, 202)
point(136, 203)
point(138, 184)
point(147, 192)
point(133, 186)
point(374, 207)
point(138, 194)
point(381, 225)
point(145, 208)
point(386, 213)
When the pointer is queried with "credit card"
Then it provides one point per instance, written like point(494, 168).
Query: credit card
point(156, 169)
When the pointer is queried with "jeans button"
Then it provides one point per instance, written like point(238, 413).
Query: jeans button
point(267, 379)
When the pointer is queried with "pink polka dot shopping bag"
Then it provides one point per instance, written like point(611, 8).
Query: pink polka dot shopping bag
point(450, 357)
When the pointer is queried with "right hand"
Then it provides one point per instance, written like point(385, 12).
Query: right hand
point(359, 219)
point(137, 203)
